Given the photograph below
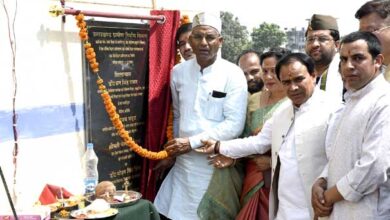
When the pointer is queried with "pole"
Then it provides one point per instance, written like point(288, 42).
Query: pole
point(8, 195)
point(159, 18)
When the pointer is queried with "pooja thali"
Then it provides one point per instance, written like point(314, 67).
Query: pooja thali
point(120, 199)
point(89, 214)
point(67, 204)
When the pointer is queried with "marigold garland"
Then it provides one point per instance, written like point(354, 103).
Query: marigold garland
point(170, 125)
point(109, 105)
point(184, 19)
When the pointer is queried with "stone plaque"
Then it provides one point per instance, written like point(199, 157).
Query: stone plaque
point(122, 53)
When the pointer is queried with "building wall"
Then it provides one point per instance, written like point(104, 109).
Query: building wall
point(49, 99)
point(296, 39)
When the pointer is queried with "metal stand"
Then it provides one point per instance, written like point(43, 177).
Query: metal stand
point(8, 195)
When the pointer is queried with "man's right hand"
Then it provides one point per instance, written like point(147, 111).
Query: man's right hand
point(177, 147)
point(162, 166)
point(318, 199)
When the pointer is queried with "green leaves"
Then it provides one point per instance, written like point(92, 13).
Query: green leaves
point(267, 36)
point(236, 37)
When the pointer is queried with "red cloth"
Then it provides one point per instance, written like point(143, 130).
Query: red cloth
point(256, 207)
point(162, 52)
point(49, 193)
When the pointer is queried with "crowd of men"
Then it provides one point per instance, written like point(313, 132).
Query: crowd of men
point(327, 143)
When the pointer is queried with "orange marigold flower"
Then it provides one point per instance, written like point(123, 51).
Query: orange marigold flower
point(89, 50)
point(143, 151)
point(185, 19)
point(83, 35)
point(129, 140)
point(81, 24)
point(87, 45)
point(92, 60)
point(80, 17)
point(109, 104)
point(153, 156)
point(91, 55)
point(102, 87)
point(94, 65)
point(99, 81)
point(119, 125)
point(105, 96)
point(116, 117)
point(83, 30)
point(135, 149)
point(111, 114)
point(107, 101)
point(111, 111)
point(122, 132)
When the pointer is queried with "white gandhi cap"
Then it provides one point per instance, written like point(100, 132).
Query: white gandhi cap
point(209, 19)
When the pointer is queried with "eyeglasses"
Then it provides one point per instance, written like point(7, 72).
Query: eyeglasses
point(209, 37)
point(320, 39)
point(380, 29)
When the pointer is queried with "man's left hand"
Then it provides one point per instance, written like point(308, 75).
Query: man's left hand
point(220, 161)
point(162, 166)
point(178, 146)
point(263, 162)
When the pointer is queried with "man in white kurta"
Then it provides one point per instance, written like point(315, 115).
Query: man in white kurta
point(296, 135)
point(358, 140)
point(209, 97)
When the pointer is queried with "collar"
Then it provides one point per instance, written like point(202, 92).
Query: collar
point(350, 94)
point(207, 69)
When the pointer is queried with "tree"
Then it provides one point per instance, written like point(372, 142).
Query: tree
point(236, 37)
point(267, 36)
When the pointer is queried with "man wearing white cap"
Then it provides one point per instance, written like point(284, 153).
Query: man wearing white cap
point(209, 97)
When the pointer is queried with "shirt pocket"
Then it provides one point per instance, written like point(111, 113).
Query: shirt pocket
point(214, 108)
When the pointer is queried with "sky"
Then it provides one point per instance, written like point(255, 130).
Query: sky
point(285, 13)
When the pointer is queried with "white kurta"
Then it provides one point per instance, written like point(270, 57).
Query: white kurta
point(359, 157)
point(206, 105)
point(298, 141)
point(292, 206)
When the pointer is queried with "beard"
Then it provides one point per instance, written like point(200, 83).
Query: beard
point(324, 59)
point(255, 86)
